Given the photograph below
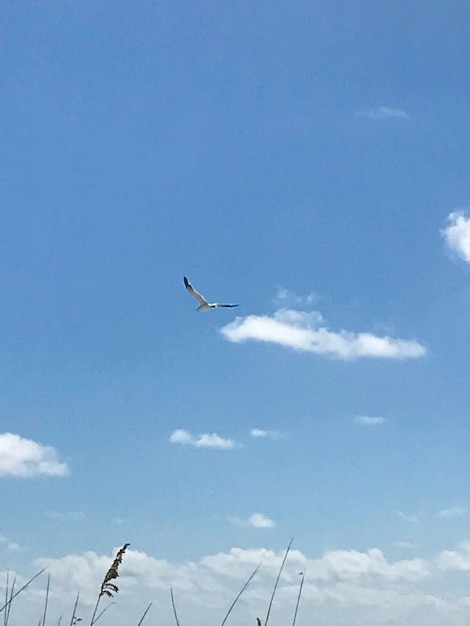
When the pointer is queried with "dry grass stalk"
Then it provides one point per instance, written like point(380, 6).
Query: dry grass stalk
point(239, 594)
point(17, 593)
point(174, 607)
point(277, 582)
point(42, 622)
point(258, 621)
point(74, 619)
point(108, 588)
point(144, 615)
point(8, 594)
point(298, 597)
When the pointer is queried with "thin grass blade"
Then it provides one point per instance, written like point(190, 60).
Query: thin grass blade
point(144, 615)
point(298, 598)
point(104, 611)
point(12, 597)
point(277, 582)
point(174, 607)
point(239, 595)
point(46, 601)
point(74, 612)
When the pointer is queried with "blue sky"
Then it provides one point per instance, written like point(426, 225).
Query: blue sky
point(306, 160)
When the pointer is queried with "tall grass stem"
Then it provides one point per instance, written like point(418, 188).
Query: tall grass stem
point(277, 582)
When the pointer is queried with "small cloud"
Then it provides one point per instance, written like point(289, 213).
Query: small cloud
point(213, 440)
point(457, 234)
point(368, 420)
point(456, 511)
point(285, 298)
point(26, 458)
point(257, 520)
point(258, 433)
point(119, 521)
point(386, 113)
point(407, 517)
point(306, 332)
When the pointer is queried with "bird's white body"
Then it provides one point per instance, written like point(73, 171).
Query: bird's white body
point(203, 304)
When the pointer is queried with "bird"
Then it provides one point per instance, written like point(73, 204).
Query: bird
point(203, 304)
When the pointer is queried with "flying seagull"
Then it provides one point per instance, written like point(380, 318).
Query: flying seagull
point(203, 304)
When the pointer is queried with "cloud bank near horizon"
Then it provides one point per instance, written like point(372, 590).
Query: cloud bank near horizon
point(360, 588)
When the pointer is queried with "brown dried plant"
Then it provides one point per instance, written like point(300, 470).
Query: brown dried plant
point(108, 588)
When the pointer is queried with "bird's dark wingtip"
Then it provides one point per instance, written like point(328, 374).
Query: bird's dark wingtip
point(186, 281)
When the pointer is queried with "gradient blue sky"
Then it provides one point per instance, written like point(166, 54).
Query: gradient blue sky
point(293, 157)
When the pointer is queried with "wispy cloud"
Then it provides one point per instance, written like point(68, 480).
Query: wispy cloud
point(456, 511)
point(258, 433)
point(10, 545)
point(285, 298)
point(206, 440)
point(386, 113)
point(307, 332)
point(407, 517)
point(368, 420)
point(406, 544)
point(26, 458)
point(457, 234)
point(257, 520)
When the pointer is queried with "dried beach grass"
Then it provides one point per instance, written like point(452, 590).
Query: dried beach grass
point(10, 596)
point(107, 587)
point(277, 582)
point(299, 595)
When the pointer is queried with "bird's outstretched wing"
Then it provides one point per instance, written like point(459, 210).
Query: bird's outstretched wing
point(224, 306)
point(194, 293)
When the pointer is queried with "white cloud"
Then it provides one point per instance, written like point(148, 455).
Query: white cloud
point(257, 520)
point(457, 234)
point(368, 420)
point(306, 332)
point(341, 587)
point(26, 458)
point(213, 440)
point(456, 511)
point(386, 113)
point(259, 433)
point(455, 560)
